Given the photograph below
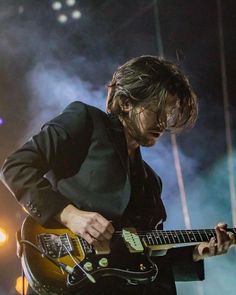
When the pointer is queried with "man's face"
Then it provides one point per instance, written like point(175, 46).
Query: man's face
point(148, 127)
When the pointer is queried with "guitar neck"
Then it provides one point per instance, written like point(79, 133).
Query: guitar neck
point(175, 237)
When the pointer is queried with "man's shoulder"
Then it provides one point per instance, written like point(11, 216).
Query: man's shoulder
point(77, 112)
point(76, 118)
point(80, 107)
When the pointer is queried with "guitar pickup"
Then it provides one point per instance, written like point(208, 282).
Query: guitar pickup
point(132, 240)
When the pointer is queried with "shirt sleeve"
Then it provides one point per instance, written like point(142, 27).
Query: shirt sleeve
point(183, 266)
point(24, 171)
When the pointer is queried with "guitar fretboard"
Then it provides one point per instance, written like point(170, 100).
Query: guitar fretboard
point(160, 237)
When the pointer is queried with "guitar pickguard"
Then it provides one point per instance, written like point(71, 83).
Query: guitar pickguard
point(56, 246)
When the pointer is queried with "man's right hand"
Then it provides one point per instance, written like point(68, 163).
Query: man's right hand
point(89, 225)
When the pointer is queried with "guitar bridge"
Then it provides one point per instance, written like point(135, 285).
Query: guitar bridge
point(55, 245)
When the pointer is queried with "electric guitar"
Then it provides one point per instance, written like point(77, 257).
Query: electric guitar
point(56, 261)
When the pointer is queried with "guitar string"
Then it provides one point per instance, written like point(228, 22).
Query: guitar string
point(181, 235)
point(174, 232)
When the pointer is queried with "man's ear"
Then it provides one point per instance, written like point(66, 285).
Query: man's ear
point(125, 104)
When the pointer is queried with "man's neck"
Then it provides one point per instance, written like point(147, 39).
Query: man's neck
point(132, 145)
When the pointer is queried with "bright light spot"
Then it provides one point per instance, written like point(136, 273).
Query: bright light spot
point(70, 2)
point(19, 284)
point(62, 18)
point(21, 9)
point(1, 121)
point(3, 236)
point(56, 5)
point(76, 14)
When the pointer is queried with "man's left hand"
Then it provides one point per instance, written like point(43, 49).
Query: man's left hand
point(216, 246)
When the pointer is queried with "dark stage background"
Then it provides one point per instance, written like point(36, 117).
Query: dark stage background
point(45, 64)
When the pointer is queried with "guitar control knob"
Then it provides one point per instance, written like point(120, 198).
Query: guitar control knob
point(103, 262)
point(142, 266)
point(88, 266)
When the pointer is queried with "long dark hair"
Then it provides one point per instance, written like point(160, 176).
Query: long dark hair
point(147, 80)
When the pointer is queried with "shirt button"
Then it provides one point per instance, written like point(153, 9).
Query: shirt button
point(34, 210)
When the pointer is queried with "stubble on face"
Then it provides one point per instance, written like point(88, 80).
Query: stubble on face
point(144, 127)
point(147, 125)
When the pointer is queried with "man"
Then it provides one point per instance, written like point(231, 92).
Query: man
point(84, 168)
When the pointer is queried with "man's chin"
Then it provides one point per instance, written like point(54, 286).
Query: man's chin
point(148, 143)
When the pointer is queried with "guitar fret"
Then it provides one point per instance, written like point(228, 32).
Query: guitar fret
point(150, 241)
point(172, 239)
point(203, 235)
point(156, 239)
point(192, 237)
point(198, 236)
point(177, 236)
point(183, 240)
point(184, 236)
point(195, 237)
point(161, 237)
point(187, 236)
point(167, 238)
point(207, 235)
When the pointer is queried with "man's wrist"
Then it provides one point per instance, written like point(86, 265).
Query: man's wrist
point(62, 216)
